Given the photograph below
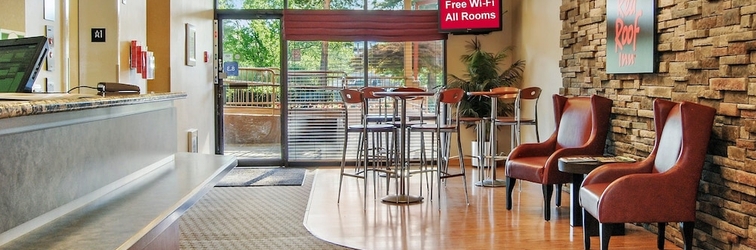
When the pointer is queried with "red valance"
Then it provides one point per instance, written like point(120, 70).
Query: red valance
point(361, 25)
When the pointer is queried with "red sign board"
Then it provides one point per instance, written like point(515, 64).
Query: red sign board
point(469, 16)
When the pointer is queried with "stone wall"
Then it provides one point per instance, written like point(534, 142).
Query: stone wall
point(707, 54)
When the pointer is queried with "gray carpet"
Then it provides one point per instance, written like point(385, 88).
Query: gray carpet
point(242, 177)
point(268, 217)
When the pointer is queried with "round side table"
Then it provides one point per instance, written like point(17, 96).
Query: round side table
point(579, 168)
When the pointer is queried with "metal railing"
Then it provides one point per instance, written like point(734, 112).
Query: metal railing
point(253, 87)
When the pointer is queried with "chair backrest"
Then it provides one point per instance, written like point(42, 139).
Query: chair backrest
point(531, 93)
point(367, 92)
point(582, 120)
point(351, 96)
point(449, 98)
point(670, 142)
point(682, 131)
point(419, 102)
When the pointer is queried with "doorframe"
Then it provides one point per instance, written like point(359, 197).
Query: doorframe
point(219, 89)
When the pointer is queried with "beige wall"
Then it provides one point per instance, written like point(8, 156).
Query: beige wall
point(99, 62)
point(196, 111)
point(532, 28)
point(132, 25)
point(492, 42)
point(535, 31)
point(109, 61)
point(34, 25)
point(13, 15)
point(81, 62)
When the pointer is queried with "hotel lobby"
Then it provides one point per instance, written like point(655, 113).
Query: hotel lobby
point(73, 160)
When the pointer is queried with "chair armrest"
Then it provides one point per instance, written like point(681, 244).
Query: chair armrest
point(613, 171)
point(651, 197)
point(544, 148)
point(552, 164)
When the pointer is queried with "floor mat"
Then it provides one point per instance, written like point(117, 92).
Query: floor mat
point(246, 177)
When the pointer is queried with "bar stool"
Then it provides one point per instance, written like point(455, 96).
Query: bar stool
point(529, 95)
point(368, 158)
point(383, 115)
point(447, 123)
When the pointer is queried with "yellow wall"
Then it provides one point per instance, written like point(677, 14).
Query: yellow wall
point(12, 14)
point(158, 30)
point(109, 61)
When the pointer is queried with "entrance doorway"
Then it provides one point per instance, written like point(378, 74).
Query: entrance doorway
point(249, 98)
point(278, 101)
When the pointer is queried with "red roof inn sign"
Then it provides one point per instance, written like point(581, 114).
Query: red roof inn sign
point(631, 36)
point(469, 16)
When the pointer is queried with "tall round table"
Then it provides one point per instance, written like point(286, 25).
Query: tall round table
point(403, 195)
point(483, 159)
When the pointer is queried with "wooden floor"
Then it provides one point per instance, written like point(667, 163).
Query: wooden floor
point(483, 224)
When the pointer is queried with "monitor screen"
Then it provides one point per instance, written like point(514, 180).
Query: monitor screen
point(20, 62)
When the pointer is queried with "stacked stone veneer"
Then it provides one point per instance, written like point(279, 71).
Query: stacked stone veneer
point(707, 54)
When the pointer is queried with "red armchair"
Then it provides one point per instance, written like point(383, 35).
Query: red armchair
point(582, 124)
point(663, 187)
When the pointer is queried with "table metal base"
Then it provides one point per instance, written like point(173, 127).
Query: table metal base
point(402, 199)
point(491, 183)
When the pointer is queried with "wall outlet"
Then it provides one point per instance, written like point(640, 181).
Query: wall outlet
point(193, 140)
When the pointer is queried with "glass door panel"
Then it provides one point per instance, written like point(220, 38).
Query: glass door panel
point(317, 71)
point(250, 49)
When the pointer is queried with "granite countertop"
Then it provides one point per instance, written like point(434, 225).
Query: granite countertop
point(51, 103)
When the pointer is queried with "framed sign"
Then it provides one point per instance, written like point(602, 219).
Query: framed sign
point(191, 43)
point(469, 16)
point(631, 36)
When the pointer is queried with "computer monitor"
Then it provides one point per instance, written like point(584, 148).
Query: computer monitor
point(20, 63)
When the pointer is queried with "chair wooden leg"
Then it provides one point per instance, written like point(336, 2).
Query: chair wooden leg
point(558, 200)
point(510, 187)
point(687, 230)
point(587, 227)
point(605, 232)
point(548, 190)
point(660, 236)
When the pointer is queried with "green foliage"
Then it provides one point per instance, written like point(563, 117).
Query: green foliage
point(483, 74)
point(255, 41)
point(389, 58)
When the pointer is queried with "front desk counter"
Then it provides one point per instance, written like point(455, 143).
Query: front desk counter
point(67, 157)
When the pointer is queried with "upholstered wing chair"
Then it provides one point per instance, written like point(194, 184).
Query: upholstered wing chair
point(582, 124)
point(663, 187)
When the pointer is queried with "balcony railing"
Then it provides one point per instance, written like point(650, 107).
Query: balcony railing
point(315, 117)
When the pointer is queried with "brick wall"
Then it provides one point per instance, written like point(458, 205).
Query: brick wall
point(707, 54)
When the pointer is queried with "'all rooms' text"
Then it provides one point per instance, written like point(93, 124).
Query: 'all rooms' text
point(468, 16)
